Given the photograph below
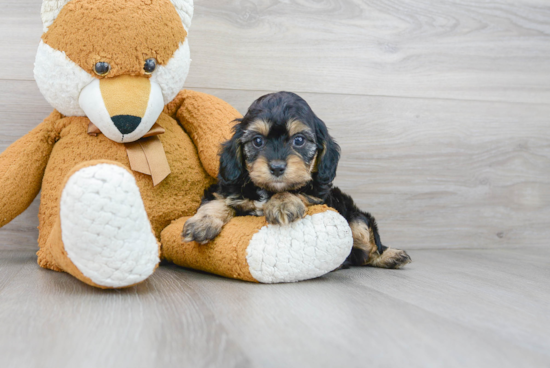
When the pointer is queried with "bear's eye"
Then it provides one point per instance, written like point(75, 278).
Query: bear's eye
point(150, 65)
point(299, 141)
point(258, 142)
point(102, 68)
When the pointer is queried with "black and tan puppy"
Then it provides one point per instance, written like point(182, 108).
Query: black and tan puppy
point(280, 160)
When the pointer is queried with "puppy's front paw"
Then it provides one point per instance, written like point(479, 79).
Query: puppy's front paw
point(284, 208)
point(201, 229)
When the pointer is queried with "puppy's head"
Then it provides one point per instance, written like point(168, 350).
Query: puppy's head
point(280, 145)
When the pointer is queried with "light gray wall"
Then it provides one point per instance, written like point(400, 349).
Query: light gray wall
point(442, 108)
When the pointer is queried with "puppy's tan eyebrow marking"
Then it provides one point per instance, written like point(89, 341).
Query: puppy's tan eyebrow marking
point(295, 127)
point(260, 127)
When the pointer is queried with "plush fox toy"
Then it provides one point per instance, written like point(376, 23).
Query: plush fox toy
point(124, 158)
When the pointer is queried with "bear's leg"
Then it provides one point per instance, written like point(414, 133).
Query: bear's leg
point(250, 249)
point(102, 235)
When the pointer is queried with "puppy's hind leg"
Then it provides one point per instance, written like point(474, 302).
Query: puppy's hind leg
point(367, 247)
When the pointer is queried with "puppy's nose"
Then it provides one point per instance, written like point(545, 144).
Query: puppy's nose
point(277, 167)
point(126, 124)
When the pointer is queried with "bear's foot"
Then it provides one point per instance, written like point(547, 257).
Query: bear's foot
point(105, 230)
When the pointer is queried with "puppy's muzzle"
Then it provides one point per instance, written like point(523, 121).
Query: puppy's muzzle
point(277, 167)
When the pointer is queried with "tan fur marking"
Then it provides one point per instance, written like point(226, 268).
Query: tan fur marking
point(391, 258)
point(295, 176)
point(363, 238)
point(313, 165)
point(207, 222)
point(318, 158)
point(117, 99)
point(122, 33)
point(259, 126)
point(259, 172)
point(284, 208)
point(296, 171)
point(295, 127)
point(217, 209)
point(245, 205)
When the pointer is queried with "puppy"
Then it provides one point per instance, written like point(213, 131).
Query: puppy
point(280, 160)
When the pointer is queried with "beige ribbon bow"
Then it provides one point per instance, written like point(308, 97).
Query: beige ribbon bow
point(146, 155)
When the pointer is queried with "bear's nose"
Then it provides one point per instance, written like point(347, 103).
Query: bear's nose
point(126, 124)
point(277, 167)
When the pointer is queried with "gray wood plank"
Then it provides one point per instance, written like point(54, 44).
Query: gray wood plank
point(21, 28)
point(342, 319)
point(50, 319)
point(503, 291)
point(449, 308)
point(435, 173)
point(495, 51)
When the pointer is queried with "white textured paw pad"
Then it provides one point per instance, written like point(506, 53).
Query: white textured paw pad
point(104, 227)
point(303, 250)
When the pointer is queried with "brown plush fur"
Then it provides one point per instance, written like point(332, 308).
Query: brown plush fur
point(22, 167)
point(233, 240)
point(125, 34)
point(122, 33)
point(47, 155)
point(204, 119)
point(57, 255)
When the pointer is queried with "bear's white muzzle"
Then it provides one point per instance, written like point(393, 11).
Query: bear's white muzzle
point(123, 108)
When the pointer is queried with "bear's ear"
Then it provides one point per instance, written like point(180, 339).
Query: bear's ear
point(185, 11)
point(50, 11)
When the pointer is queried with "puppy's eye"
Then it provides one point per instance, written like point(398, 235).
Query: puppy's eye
point(102, 68)
point(150, 65)
point(258, 142)
point(299, 141)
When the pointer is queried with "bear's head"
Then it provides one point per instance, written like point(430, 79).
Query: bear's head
point(118, 62)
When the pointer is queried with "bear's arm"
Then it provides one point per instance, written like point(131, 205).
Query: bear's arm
point(22, 167)
point(208, 121)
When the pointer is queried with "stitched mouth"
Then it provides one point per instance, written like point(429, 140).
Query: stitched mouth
point(126, 124)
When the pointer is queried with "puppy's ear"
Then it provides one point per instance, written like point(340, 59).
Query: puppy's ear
point(328, 154)
point(231, 159)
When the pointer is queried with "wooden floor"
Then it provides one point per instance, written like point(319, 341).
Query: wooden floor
point(450, 308)
point(442, 109)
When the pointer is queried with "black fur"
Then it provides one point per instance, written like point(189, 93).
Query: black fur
point(277, 109)
point(231, 164)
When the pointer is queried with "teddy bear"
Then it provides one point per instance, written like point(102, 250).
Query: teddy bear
point(124, 158)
